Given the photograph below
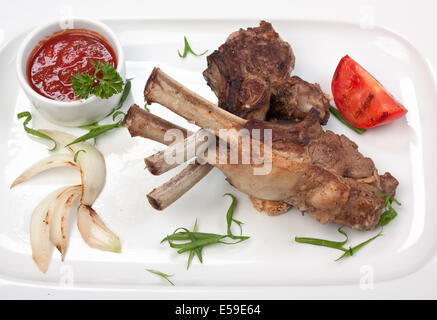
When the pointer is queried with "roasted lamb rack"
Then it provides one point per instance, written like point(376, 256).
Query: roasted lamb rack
point(320, 173)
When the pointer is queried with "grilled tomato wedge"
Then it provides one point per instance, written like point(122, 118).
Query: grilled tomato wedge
point(360, 98)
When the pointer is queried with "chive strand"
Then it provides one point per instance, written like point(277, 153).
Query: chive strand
point(187, 49)
point(338, 115)
point(28, 116)
point(351, 251)
point(96, 132)
point(162, 275)
point(337, 244)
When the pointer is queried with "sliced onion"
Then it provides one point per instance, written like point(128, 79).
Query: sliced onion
point(59, 218)
point(49, 220)
point(91, 163)
point(94, 232)
point(54, 161)
point(40, 229)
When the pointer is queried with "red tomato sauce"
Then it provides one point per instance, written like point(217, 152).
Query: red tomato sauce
point(52, 63)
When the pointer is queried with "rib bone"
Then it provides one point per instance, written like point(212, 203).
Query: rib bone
point(182, 151)
point(163, 196)
point(184, 102)
point(142, 123)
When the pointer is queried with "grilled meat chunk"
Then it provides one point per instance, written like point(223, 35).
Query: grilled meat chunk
point(241, 70)
point(293, 98)
point(270, 207)
point(250, 75)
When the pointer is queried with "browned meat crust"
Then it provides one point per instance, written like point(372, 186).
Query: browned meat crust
point(270, 207)
point(388, 183)
point(335, 169)
point(340, 154)
point(241, 70)
point(338, 183)
point(293, 98)
point(286, 135)
point(250, 75)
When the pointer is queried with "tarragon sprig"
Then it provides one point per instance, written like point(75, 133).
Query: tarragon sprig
point(193, 242)
point(95, 129)
point(390, 213)
point(187, 49)
point(28, 116)
point(162, 275)
point(339, 245)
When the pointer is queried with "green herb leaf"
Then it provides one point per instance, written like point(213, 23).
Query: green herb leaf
point(90, 126)
point(103, 83)
point(324, 243)
point(187, 49)
point(337, 244)
point(110, 83)
point(196, 251)
point(34, 132)
point(230, 215)
point(338, 115)
point(193, 242)
point(163, 275)
point(390, 213)
point(82, 84)
point(387, 216)
point(198, 239)
point(77, 153)
point(123, 97)
point(352, 250)
point(146, 107)
point(115, 115)
point(97, 131)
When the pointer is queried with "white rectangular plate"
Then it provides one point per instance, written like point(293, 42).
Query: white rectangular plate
point(405, 148)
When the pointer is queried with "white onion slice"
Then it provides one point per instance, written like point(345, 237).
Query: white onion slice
point(94, 232)
point(59, 218)
point(91, 163)
point(40, 230)
point(54, 161)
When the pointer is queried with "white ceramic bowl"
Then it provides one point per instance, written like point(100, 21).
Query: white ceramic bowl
point(69, 113)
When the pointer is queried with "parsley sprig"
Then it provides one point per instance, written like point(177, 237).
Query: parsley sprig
point(103, 83)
